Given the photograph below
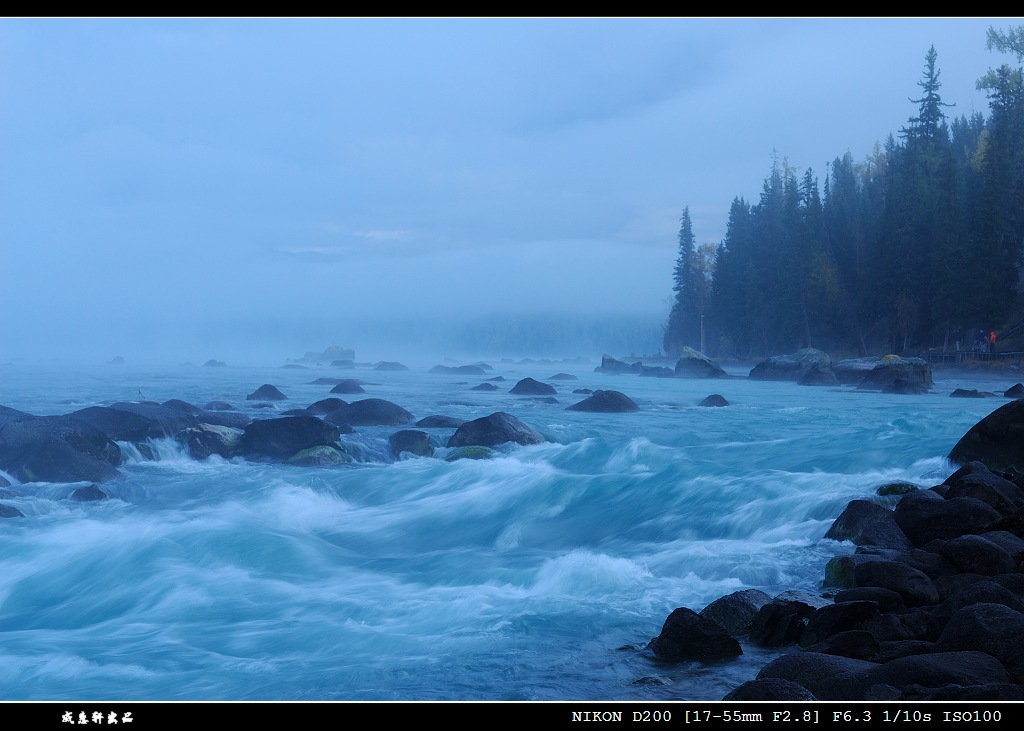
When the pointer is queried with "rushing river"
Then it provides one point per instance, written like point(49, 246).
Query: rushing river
point(540, 574)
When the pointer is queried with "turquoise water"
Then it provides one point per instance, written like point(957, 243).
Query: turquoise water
point(538, 575)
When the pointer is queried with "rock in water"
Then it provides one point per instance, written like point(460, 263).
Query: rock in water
point(609, 402)
point(688, 636)
point(997, 440)
point(284, 437)
point(793, 367)
point(530, 387)
point(692, 364)
point(371, 412)
point(490, 431)
point(266, 392)
point(715, 399)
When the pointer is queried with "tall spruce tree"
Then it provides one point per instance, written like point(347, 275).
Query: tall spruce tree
point(683, 320)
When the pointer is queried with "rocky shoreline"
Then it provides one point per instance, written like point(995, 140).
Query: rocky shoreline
point(929, 607)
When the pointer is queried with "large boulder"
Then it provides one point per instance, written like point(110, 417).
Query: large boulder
point(893, 367)
point(609, 402)
point(136, 422)
point(349, 385)
point(692, 364)
point(687, 635)
point(997, 440)
point(791, 367)
point(490, 431)
point(865, 523)
point(204, 440)
point(371, 412)
point(56, 449)
point(412, 441)
point(284, 437)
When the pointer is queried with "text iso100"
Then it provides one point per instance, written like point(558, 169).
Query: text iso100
point(984, 716)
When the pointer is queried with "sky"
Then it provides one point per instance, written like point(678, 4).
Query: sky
point(191, 188)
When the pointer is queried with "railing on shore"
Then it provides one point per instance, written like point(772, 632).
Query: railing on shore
point(967, 355)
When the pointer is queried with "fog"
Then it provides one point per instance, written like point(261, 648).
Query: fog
point(178, 190)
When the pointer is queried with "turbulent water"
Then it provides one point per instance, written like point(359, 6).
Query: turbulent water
point(540, 574)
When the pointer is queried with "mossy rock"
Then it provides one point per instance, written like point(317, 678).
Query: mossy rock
point(896, 488)
point(470, 452)
point(320, 456)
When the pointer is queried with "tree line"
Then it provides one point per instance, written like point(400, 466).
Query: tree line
point(916, 247)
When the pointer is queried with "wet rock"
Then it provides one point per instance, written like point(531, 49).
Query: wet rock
point(349, 385)
point(90, 493)
point(489, 431)
point(286, 436)
point(411, 441)
point(693, 364)
point(736, 611)
point(605, 402)
point(530, 387)
point(714, 399)
point(440, 422)
point(266, 392)
point(688, 636)
point(792, 367)
point(997, 440)
point(371, 412)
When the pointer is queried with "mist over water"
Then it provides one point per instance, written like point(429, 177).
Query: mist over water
point(541, 573)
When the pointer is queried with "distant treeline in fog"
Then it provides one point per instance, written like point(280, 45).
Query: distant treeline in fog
point(916, 247)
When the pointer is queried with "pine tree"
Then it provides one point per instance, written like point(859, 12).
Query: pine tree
point(683, 320)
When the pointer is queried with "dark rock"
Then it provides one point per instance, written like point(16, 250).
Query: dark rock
point(924, 516)
point(386, 365)
point(819, 375)
point(371, 412)
point(440, 422)
point(1014, 391)
point(868, 524)
point(266, 392)
point(657, 372)
point(893, 367)
point(837, 618)
point(905, 386)
point(563, 377)
point(90, 493)
point(791, 367)
point(827, 677)
point(349, 385)
point(858, 644)
point(326, 406)
point(135, 422)
point(9, 511)
point(781, 622)
point(612, 365)
point(470, 452)
point(484, 387)
point(692, 364)
point(218, 406)
point(736, 611)
point(971, 393)
point(610, 402)
point(583, 391)
point(896, 488)
point(936, 670)
point(913, 585)
point(688, 636)
point(997, 440)
point(57, 449)
point(977, 555)
point(530, 387)
point(412, 441)
point(489, 431)
point(714, 400)
point(464, 370)
point(770, 689)
point(886, 599)
point(285, 437)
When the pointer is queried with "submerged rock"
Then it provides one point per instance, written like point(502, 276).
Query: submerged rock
point(714, 399)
